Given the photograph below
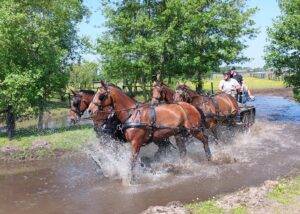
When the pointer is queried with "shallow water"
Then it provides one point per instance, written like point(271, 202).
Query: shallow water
point(78, 185)
point(275, 108)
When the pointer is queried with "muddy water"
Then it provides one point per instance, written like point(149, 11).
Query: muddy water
point(77, 185)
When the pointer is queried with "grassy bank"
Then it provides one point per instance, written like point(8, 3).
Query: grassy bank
point(252, 83)
point(43, 143)
point(281, 197)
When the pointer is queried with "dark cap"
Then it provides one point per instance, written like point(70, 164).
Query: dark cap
point(232, 68)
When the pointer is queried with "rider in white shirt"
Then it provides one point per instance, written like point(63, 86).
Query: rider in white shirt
point(229, 85)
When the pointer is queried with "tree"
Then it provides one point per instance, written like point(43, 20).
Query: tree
point(82, 75)
point(283, 52)
point(38, 41)
point(174, 38)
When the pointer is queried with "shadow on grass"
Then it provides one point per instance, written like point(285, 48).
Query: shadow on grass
point(29, 132)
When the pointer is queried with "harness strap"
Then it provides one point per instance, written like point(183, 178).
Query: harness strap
point(216, 106)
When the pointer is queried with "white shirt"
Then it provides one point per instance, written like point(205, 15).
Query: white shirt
point(229, 86)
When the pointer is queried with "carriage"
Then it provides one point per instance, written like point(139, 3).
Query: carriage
point(246, 116)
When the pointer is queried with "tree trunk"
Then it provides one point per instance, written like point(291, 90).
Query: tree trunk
point(199, 86)
point(144, 89)
point(41, 116)
point(169, 79)
point(10, 123)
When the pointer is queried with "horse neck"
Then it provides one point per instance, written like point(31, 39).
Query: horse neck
point(88, 98)
point(193, 94)
point(122, 104)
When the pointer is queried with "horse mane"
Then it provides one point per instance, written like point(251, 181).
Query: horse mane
point(113, 85)
point(117, 87)
point(187, 89)
point(85, 91)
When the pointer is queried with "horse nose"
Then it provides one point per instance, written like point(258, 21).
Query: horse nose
point(90, 111)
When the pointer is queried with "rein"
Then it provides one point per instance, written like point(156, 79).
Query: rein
point(125, 109)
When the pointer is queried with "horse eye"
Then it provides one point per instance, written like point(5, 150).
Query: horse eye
point(102, 97)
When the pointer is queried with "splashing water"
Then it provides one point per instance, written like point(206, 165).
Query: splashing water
point(111, 156)
point(264, 139)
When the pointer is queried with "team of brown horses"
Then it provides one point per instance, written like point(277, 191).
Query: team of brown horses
point(170, 113)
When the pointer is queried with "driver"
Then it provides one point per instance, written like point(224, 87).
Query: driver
point(229, 85)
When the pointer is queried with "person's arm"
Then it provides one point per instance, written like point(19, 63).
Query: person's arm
point(221, 85)
point(237, 85)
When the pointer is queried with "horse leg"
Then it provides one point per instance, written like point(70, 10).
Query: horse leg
point(163, 147)
point(181, 146)
point(214, 131)
point(136, 146)
point(204, 139)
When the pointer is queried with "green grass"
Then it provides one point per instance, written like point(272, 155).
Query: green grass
point(206, 207)
point(252, 83)
point(286, 191)
point(62, 139)
point(239, 210)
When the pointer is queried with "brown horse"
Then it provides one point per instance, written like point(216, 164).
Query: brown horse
point(143, 122)
point(105, 121)
point(221, 107)
point(162, 93)
point(80, 103)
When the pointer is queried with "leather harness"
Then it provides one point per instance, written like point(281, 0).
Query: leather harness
point(150, 127)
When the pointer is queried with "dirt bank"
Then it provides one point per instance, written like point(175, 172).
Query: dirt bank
point(272, 196)
point(281, 92)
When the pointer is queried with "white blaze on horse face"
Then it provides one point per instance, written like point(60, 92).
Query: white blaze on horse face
point(92, 109)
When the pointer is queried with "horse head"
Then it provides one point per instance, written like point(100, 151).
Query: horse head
point(182, 94)
point(79, 103)
point(161, 93)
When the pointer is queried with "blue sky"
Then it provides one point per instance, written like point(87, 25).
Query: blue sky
point(268, 10)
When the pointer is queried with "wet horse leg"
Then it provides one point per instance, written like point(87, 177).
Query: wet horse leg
point(164, 146)
point(136, 146)
point(213, 128)
point(181, 146)
point(204, 139)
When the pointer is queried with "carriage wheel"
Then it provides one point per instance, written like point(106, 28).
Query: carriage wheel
point(246, 122)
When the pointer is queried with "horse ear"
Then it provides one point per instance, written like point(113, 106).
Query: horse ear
point(103, 84)
point(73, 92)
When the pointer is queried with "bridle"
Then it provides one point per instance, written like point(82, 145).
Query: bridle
point(77, 108)
point(101, 108)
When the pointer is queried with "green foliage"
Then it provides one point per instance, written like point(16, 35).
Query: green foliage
point(175, 38)
point(207, 207)
point(38, 40)
point(296, 94)
point(82, 75)
point(283, 52)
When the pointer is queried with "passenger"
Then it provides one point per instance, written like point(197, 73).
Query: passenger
point(244, 94)
point(229, 85)
point(236, 76)
point(247, 93)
